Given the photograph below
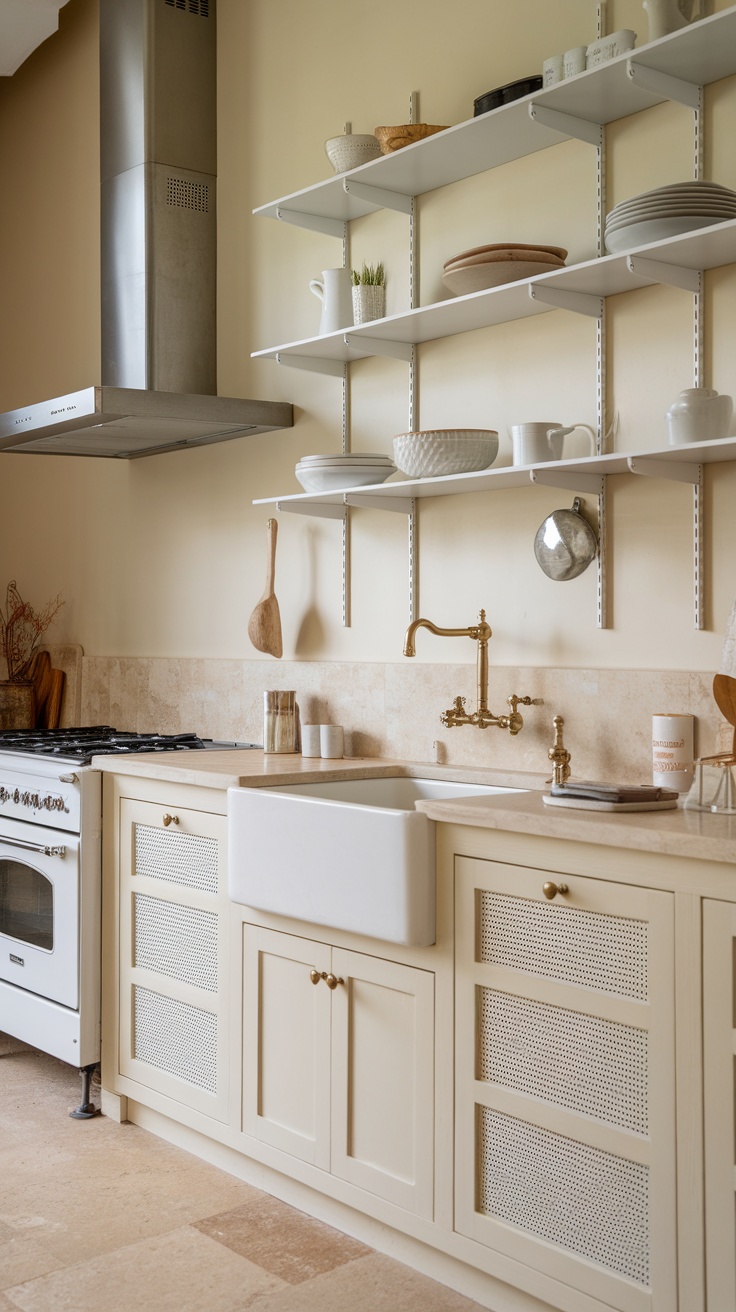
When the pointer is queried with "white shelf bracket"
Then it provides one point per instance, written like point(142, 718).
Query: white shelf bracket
point(674, 471)
point(315, 222)
point(672, 275)
point(569, 125)
point(663, 84)
point(377, 346)
point(321, 509)
point(574, 481)
point(312, 363)
point(378, 196)
point(400, 505)
point(681, 472)
point(578, 302)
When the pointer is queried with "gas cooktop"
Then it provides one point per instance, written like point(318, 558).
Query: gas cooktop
point(81, 745)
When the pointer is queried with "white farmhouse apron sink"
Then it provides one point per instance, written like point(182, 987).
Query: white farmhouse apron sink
point(353, 855)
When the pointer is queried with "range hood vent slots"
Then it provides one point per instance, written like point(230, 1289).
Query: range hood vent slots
point(158, 162)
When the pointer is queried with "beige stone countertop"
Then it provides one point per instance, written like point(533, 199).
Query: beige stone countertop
point(701, 835)
point(697, 834)
point(253, 768)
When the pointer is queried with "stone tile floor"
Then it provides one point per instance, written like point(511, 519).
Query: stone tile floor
point(96, 1215)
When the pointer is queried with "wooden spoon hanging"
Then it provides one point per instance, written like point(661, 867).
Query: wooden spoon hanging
point(724, 691)
point(264, 625)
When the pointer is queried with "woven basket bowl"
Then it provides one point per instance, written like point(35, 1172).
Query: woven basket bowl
point(405, 134)
point(436, 452)
point(351, 150)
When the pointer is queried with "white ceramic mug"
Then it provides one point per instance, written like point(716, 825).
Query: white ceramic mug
point(673, 757)
point(331, 740)
point(552, 71)
point(311, 740)
point(334, 291)
point(573, 61)
point(533, 444)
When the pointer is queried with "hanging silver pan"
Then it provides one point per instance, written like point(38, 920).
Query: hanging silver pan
point(565, 543)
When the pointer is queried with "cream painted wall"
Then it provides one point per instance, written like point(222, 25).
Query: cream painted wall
point(165, 556)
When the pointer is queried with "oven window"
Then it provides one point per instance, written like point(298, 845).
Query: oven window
point(26, 905)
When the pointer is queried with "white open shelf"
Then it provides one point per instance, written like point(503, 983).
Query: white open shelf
point(644, 266)
point(698, 55)
point(673, 462)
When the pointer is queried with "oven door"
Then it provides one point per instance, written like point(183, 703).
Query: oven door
point(39, 911)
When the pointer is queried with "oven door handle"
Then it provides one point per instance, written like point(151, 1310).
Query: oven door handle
point(33, 847)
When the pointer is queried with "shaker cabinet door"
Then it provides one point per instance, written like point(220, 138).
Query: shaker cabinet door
point(565, 1130)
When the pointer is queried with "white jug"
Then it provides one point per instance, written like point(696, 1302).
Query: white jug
point(334, 291)
point(533, 444)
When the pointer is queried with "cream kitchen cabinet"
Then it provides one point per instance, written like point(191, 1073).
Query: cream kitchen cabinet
point(719, 1012)
point(338, 1061)
point(170, 923)
point(565, 1060)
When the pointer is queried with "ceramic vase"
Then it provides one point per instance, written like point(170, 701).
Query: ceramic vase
point(369, 302)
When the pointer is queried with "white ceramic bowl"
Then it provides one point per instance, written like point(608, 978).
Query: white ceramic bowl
point(351, 150)
point(440, 451)
point(331, 478)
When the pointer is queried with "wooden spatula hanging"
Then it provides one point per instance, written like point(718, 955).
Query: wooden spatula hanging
point(724, 691)
point(264, 625)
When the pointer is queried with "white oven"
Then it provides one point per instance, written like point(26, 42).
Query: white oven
point(50, 897)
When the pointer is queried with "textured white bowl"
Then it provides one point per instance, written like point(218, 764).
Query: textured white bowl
point(436, 452)
point(351, 150)
point(330, 478)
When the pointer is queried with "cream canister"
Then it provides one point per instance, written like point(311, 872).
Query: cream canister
point(673, 755)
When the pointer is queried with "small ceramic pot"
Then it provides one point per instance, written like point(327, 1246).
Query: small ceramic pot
point(369, 302)
point(699, 414)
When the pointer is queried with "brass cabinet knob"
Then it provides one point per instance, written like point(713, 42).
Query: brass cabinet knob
point(171, 819)
point(315, 976)
point(550, 889)
point(332, 981)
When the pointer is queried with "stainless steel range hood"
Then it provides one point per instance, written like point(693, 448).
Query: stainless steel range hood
point(158, 157)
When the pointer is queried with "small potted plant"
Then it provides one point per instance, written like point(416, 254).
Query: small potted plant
point(21, 631)
point(369, 293)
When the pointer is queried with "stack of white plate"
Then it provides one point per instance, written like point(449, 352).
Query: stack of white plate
point(489, 266)
point(667, 212)
point(328, 473)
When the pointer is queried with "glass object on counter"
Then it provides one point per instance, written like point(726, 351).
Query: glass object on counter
point(714, 785)
point(280, 722)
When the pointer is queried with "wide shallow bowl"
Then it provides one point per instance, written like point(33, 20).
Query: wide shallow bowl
point(351, 150)
point(405, 135)
point(436, 452)
point(479, 277)
point(330, 478)
point(478, 254)
point(504, 95)
point(347, 458)
point(639, 234)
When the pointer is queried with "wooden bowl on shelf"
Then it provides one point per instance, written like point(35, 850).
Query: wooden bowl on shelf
point(405, 135)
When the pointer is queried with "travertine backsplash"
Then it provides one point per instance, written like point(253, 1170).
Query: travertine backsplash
point(393, 710)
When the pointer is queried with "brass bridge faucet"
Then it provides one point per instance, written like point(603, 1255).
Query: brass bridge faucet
point(457, 714)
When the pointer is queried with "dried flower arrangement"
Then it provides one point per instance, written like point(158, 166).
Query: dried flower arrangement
point(369, 276)
point(21, 631)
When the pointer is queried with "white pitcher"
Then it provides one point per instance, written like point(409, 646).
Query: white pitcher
point(334, 291)
point(533, 444)
point(666, 16)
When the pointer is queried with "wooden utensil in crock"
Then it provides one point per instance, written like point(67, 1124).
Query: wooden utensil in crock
point(264, 625)
point(724, 691)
